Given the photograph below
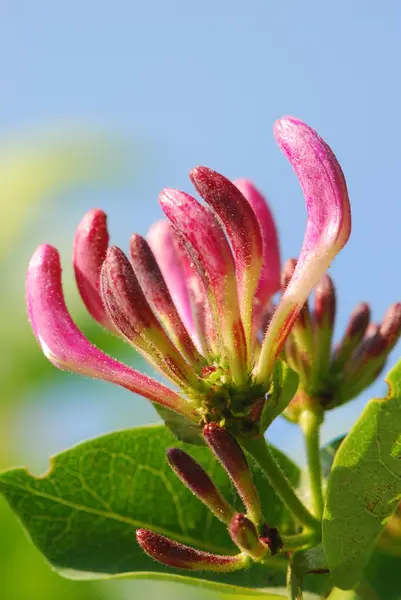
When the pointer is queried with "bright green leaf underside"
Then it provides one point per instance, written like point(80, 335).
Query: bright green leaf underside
point(365, 485)
point(83, 514)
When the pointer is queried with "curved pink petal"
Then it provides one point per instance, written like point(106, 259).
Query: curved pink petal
point(206, 244)
point(89, 251)
point(269, 280)
point(327, 231)
point(67, 348)
point(161, 241)
point(243, 232)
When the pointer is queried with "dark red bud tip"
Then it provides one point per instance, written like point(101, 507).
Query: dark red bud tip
point(287, 272)
point(391, 327)
point(359, 321)
point(231, 456)
point(244, 534)
point(325, 301)
point(198, 481)
point(174, 554)
point(226, 448)
point(272, 538)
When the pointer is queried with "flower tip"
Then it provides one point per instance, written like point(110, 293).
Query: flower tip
point(44, 261)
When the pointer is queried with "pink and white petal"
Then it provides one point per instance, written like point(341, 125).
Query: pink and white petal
point(163, 245)
point(269, 281)
point(89, 251)
point(327, 231)
point(67, 348)
point(243, 231)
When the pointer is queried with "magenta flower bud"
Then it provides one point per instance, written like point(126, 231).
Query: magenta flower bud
point(325, 303)
point(157, 294)
point(175, 554)
point(90, 247)
point(163, 245)
point(231, 456)
point(206, 244)
point(354, 333)
point(323, 319)
point(269, 280)
point(207, 330)
point(390, 328)
point(131, 314)
point(302, 335)
point(198, 481)
point(244, 534)
point(243, 231)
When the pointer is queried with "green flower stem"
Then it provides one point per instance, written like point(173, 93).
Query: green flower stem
point(310, 422)
point(259, 450)
point(298, 541)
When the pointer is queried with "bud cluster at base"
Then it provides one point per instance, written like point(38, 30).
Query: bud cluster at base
point(250, 533)
point(330, 376)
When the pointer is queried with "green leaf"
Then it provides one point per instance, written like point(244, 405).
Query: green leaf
point(365, 485)
point(183, 429)
point(83, 513)
point(284, 385)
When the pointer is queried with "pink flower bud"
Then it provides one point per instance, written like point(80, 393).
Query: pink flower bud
point(232, 458)
point(208, 248)
point(131, 314)
point(175, 554)
point(157, 294)
point(198, 481)
point(269, 280)
point(90, 247)
point(243, 231)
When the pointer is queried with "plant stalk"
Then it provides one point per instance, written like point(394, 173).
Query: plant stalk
point(259, 450)
point(310, 423)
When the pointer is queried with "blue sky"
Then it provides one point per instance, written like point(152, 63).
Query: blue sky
point(202, 83)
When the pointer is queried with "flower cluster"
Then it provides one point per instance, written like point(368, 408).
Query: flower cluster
point(193, 297)
point(329, 375)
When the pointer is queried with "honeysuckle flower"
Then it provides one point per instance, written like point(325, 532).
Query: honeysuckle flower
point(331, 375)
point(193, 297)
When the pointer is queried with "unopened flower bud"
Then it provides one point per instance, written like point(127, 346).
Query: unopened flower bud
point(198, 481)
point(354, 333)
point(324, 316)
point(175, 554)
point(244, 534)
point(302, 333)
point(391, 326)
point(231, 456)
point(325, 302)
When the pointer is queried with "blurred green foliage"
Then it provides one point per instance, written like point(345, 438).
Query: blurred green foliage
point(34, 174)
